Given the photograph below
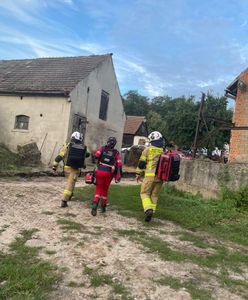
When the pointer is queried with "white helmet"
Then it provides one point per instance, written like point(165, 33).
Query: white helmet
point(77, 136)
point(154, 136)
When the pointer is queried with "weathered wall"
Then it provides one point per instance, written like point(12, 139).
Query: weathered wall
point(88, 104)
point(48, 122)
point(239, 137)
point(206, 176)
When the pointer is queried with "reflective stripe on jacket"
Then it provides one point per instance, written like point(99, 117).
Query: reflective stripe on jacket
point(150, 156)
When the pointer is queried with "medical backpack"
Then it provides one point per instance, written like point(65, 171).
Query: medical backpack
point(168, 166)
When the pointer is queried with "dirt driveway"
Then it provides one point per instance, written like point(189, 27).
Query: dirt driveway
point(97, 246)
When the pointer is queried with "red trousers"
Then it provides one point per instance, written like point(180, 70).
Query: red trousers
point(103, 180)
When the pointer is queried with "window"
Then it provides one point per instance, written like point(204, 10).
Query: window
point(21, 122)
point(104, 106)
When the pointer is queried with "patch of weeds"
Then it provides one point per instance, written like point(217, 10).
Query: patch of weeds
point(47, 212)
point(97, 280)
point(222, 258)
point(91, 232)
point(19, 195)
point(68, 239)
point(64, 269)
point(80, 244)
point(100, 279)
point(67, 214)
point(195, 239)
point(50, 252)
point(236, 286)
point(68, 225)
point(74, 284)
point(4, 227)
point(88, 271)
point(120, 289)
point(26, 276)
point(176, 284)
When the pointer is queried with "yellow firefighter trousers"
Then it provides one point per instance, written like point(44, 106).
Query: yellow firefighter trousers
point(149, 191)
point(71, 175)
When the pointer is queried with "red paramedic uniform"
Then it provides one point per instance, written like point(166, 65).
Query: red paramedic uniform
point(109, 164)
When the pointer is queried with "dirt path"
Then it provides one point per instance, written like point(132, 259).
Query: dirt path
point(96, 246)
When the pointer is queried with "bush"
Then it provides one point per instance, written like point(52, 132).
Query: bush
point(9, 160)
point(235, 198)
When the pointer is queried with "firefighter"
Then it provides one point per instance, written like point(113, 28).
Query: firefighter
point(73, 155)
point(147, 164)
point(109, 165)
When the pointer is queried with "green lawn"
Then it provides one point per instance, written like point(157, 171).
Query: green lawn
point(23, 275)
point(226, 217)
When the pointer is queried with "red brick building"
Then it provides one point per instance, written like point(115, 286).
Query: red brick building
point(238, 90)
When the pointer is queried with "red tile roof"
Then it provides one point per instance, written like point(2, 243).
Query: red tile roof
point(133, 124)
point(46, 75)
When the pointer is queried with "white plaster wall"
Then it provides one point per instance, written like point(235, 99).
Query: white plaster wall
point(97, 132)
point(48, 123)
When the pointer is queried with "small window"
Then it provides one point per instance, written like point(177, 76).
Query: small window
point(104, 106)
point(21, 122)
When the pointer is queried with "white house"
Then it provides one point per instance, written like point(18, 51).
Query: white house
point(46, 99)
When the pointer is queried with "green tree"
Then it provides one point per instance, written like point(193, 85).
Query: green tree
point(216, 114)
point(135, 104)
point(176, 118)
point(155, 122)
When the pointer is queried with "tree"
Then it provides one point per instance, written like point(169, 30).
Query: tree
point(156, 123)
point(135, 104)
point(215, 108)
point(176, 118)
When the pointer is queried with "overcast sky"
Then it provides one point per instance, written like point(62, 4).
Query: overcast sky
point(160, 47)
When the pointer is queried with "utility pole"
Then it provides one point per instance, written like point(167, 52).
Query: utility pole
point(198, 124)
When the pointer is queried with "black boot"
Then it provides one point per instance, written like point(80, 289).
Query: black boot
point(103, 208)
point(64, 203)
point(94, 209)
point(148, 215)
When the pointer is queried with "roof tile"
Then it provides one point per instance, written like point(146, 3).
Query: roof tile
point(60, 74)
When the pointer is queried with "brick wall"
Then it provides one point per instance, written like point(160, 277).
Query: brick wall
point(239, 137)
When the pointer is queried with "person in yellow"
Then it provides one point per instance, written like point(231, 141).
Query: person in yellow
point(147, 165)
point(73, 154)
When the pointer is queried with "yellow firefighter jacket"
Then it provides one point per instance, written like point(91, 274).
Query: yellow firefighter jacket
point(148, 161)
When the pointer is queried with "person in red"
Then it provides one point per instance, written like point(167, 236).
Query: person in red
point(109, 166)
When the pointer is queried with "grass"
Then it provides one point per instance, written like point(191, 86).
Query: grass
point(221, 256)
point(97, 279)
point(4, 227)
point(47, 212)
point(191, 286)
point(10, 161)
point(67, 214)
point(50, 252)
point(225, 219)
point(23, 275)
point(68, 225)
point(196, 240)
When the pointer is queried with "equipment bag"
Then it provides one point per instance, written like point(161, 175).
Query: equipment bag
point(76, 155)
point(90, 178)
point(168, 166)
